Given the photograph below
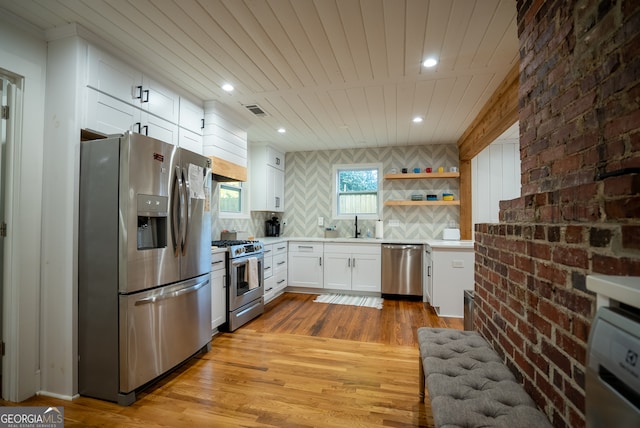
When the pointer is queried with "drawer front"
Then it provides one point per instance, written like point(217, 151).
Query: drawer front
point(268, 266)
point(268, 250)
point(305, 247)
point(280, 262)
point(280, 281)
point(280, 248)
point(217, 261)
point(348, 248)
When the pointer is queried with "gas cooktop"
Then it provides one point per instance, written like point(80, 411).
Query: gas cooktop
point(237, 248)
point(230, 242)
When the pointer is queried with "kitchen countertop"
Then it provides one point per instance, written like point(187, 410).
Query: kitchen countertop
point(466, 244)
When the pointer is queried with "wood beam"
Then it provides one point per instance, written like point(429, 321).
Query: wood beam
point(497, 115)
point(466, 202)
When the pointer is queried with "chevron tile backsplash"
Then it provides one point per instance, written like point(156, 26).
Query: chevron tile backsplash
point(308, 194)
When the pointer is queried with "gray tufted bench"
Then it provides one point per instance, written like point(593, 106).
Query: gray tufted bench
point(468, 384)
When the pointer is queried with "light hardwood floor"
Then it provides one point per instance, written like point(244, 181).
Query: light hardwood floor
point(301, 364)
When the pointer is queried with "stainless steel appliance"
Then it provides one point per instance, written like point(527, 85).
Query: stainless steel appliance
point(613, 369)
point(144, 296)
point(245, 281)
point(402, 270)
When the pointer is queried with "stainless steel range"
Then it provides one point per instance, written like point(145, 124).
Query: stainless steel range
point(245, 281)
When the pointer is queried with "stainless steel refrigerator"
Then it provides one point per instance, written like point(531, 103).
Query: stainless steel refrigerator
point(144, 256)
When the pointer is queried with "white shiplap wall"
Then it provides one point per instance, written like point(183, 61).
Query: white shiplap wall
point(496, 177)
point(225, 134)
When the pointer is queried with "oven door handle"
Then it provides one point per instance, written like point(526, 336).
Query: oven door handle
point(172, 294)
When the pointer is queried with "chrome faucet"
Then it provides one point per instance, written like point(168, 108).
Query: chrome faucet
point(357, 233)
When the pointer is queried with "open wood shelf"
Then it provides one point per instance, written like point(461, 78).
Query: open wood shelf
point(421, 175)
point(418, 203)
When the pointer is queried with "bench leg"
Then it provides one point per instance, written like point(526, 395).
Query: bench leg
point(422, 385)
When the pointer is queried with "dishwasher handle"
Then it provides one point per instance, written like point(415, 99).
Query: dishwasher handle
point(401, 247)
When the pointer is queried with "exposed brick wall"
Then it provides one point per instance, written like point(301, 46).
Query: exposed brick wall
point(580, 209)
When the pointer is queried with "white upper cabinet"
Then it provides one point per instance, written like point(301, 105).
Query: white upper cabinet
point(191, 116)
point(107, 115)
point(267, 179)
point(158, 128)
point(189, 140)
point(160, 101)
point(111, 76)
point(123, 82)
point(275, 158)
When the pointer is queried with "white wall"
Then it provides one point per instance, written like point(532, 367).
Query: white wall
point(23, 53)
point(496, 177)
point(66, 67)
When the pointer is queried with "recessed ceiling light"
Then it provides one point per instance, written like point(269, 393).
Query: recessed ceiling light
point(417, 119)
point(430, 62)
point(227, 87)
point(282, 130)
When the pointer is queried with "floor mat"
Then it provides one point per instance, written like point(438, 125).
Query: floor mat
point(344, 299)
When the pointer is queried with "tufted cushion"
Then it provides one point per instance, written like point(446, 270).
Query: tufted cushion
point(468, 384)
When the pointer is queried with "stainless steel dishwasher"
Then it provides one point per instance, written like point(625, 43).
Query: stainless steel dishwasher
point(402, 270)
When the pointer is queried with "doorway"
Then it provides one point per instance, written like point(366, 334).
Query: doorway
point(9, 109)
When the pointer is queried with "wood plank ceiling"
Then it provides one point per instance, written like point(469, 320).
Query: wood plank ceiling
point(333, 73)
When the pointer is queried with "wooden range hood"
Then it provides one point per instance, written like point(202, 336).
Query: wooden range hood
point(223, 170)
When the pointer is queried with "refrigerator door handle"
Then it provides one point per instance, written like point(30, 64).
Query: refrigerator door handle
point(187, 201)
point(171, 294)
point(176, 190)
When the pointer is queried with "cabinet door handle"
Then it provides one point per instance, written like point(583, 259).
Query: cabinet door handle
point(277, 161)
point(139, 94)
point(277, 202)
point(137, 125)
point(428, 270)
point(267, 251)
point(202, 127)
point(146, 93)
point(281, 263)
point(320, 258)
point(304, 246)
point(217, 261)
point(349, 262)
point(354, 262)
point(146, 130)
point(268, 289)
point(281, 248)
point(267, 267)
point(281, 281)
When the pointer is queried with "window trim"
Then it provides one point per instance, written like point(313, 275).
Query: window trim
point(334, 186)
point(244, 203)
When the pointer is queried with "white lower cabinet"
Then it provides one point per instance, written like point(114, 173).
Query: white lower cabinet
point(427, 281)
point(452, 273)
point(280, 266)
point(305, 264)
point(218, 290)
point(352, 267)
point(275, 270)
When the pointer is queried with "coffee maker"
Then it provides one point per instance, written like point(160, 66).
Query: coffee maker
point(272, 227)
